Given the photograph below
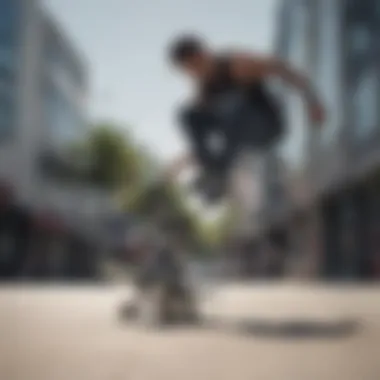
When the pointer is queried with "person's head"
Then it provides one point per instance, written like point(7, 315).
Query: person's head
point(190, 54)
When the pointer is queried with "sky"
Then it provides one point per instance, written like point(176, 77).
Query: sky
point(125, 41)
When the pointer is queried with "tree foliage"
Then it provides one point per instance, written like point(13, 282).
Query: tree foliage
point(106, 157)
point(116, 162)
point(215, 233)
point(114, 158)
point(164, 204)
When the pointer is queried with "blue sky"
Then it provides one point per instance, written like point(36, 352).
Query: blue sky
point(124, 42)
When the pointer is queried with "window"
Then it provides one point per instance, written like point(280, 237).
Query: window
point(8, 24)
point(6, 113)
point(8, 14)
point(60, 62)
point(8, 64)
point(327, 67)
point(8, 49)
point(361, 23)
point(296, 44)
point(6, 56)
point(365, 103)
point(63, 116)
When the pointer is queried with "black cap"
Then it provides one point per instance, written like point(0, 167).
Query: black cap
point(185, 47)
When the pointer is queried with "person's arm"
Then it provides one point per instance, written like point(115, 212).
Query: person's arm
point(247, 68)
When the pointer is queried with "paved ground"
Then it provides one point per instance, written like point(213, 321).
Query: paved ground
point(253, 332)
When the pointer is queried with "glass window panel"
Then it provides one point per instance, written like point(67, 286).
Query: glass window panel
point(62, 116)
point(6, 113)
point(327, 68)
point(293, 148)
point(8, 46)
point(365, 103)
point(60, 61)
point(8, 20)
point(363, 72)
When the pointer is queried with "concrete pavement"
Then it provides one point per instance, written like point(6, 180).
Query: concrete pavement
point(253, 331)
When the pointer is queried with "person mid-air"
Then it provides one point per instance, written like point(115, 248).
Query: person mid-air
point(233, 109)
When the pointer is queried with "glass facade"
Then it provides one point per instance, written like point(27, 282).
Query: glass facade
point(9, 16)
point(61, 93)
point(327, 67)
point(295, 50)
point(62, 89)
point(337, 42)
point(63, 116)
point(362, 20)
point(61, 63)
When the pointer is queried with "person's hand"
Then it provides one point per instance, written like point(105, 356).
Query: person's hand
point(317, 114)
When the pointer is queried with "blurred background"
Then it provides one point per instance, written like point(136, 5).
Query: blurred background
point(87, 102)
point(87, 126)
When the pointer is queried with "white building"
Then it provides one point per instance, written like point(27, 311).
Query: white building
point(43, 88)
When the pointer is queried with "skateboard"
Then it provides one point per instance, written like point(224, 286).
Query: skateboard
point(162, 300)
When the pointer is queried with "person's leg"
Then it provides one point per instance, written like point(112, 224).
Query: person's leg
point(197, 123)
point(246, 180)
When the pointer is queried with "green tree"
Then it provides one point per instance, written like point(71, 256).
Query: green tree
point(215, 233)
point(117, 162)
point(114, 159)
point(165, 204)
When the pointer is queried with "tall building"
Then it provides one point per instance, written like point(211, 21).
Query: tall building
point(43, 93)
point(333, 172)
point(327, 198)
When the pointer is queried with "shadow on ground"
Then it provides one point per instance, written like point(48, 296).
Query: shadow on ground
point(291, 329)
point(280, 329)
point(264, 327)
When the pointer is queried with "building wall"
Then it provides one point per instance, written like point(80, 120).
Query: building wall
point(9, 51)
point(362, 78)
point(340, 40)
point(42, 54)
point(63, 89)
point(18, 148)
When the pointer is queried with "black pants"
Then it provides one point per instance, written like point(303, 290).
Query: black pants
point(240, 124)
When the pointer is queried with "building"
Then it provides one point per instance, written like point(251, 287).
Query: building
point(325, 200)
point(43, 94)
point(332, 174)
point(38, 66)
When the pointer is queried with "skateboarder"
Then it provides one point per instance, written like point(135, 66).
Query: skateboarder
point(233, 110)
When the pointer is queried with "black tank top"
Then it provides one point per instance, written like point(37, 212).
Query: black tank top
point(259, 98)
point(221, 82)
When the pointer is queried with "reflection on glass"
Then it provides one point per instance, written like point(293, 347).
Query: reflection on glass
point(293, 148)
point(360, 40)
point(63, 117)
point(364, 76)
point(327, 69)
point(365, 105)
point(8, 10)
point(6, 56)
point(5, 117)
point(60, 62)
point(8, 46)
